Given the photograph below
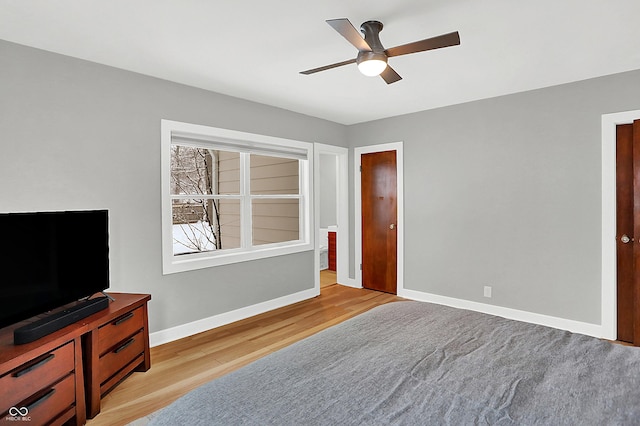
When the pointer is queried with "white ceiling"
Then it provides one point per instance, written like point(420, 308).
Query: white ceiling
point(254, 49)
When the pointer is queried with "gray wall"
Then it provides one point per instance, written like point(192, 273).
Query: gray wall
point(502, 192)
point(506, 192)
point(78, 135)
point(328, 192)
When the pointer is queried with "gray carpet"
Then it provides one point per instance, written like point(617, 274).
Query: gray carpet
point(413, 363)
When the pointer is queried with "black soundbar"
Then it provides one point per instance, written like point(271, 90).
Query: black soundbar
point(40, 328)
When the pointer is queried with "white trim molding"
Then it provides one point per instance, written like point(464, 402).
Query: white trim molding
point(609, 256)
point(342, 185)
point(357, 153)
point(594, 330)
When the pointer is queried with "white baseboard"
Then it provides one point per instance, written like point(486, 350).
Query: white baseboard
point(189, 329)
point(594, 330)
point(349, 282)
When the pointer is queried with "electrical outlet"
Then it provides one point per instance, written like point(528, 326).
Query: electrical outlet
point(487, 291)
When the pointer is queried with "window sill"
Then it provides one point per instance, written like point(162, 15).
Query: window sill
point(175, 264)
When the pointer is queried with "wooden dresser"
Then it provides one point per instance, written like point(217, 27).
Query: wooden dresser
point(60, 378)
point(42, 382)
point(117, 344)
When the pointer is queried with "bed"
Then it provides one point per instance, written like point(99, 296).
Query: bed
point(414, 363)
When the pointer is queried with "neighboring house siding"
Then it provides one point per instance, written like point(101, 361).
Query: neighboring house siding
point(228, 179)
point(273, 175)
point(274, 220)
point(228, 173)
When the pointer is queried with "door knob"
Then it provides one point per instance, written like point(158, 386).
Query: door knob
point(392, 226)
point(625, 239)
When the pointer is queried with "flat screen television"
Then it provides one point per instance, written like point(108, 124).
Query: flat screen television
point(50, 259)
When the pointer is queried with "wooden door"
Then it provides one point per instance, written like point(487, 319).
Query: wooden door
point(628, 231)
point(379, 221)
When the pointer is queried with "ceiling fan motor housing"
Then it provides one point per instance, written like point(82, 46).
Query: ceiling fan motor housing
point(371, 30)
point(369, 56)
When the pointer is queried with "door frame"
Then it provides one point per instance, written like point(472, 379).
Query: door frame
point(342, 195)
point(609, 309)
point(357, 158)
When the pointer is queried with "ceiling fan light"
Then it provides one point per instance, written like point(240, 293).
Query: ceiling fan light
point(372, 67)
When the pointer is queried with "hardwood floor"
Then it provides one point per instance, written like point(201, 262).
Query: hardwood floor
point(182, 365)
point(327, 278)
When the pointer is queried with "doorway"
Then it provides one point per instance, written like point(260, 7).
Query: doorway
point(331, 215)
point(328, 219)
point(608, 204)
point(628, 232)
point(379, 228)
point(378, 177)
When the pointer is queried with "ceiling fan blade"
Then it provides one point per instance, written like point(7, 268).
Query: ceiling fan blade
point(328, 67)
point(348, 31)
point(390, 75)
point(445, 40)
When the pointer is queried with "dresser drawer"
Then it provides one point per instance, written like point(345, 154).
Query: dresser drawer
point(35, 375)
point(46, 405)
point(121, 355)
point(114, 332)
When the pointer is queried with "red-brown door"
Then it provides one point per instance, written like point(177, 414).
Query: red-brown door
point(379, 221)
point(628, 231)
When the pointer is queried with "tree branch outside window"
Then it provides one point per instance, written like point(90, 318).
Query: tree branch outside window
point(197, 218)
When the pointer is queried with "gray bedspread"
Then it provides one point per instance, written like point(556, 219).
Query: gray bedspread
point(413, 363)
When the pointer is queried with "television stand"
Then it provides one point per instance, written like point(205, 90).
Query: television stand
point(61, 377)
point(57, 320)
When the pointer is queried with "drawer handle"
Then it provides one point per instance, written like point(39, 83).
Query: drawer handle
point(123, 318)
point(124, 346)
point(33, 366)
point(40, 400)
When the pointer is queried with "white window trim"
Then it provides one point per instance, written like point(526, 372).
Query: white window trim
point(247, 142)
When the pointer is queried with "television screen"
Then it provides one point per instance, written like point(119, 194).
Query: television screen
point(49, 259)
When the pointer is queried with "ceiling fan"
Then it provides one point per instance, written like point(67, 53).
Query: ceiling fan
point(372, 56)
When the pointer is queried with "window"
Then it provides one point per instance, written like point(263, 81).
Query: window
point(230, 196)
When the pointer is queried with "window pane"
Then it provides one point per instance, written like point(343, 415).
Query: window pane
point(275, 220)
point(205, 225)
point(274, 175)
point(197, 171)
